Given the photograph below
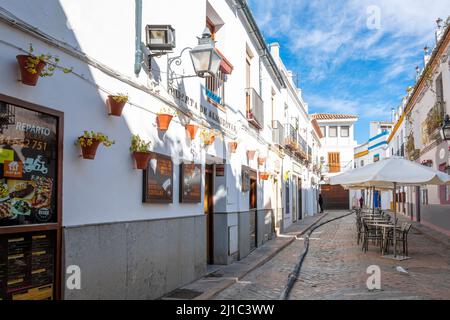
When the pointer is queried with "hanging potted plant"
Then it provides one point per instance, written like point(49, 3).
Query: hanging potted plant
point(208, 137)
point(251, 154)
point(164, 117)
point(233, 146)
point(261, 161)
point(116, 103)
point(141, 152)
point(264, 176)
point(192, 130)
point(34, 66)
point(90, 141)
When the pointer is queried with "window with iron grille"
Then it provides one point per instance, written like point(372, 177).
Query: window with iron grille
point(215, 88)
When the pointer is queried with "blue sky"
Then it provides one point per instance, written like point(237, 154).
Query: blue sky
point(346, 61)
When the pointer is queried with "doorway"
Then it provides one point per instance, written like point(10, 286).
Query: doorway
point(300, 199)
point(208, 209)
point(253, 205)
point(294, 200)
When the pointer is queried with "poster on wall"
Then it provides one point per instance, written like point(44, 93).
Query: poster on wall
point(190, 183)
point(158, 180)
point(28, 163)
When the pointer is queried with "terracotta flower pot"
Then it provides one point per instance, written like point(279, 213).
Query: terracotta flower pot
point(163, 121)
point(210, 140)
point(251, 154)
point(264, 176)
point(115, 108)
point(261, 161)
point(142, 159)
point(192, 130)
point(90, 151)
point(233, 146)
point(28, 78)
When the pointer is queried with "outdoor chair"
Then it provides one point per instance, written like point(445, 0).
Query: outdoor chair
point(402, 237)
point(371, 234)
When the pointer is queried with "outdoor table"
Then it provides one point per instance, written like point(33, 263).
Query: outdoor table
point(384, 227)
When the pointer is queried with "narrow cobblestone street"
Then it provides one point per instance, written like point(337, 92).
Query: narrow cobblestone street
point(335, 268)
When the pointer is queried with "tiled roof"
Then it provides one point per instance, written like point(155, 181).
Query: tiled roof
point(329, 116)
point(317, 128)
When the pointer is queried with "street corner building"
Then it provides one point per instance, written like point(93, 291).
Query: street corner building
point(141, 151)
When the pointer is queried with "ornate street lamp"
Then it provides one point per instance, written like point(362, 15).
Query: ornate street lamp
point(205, 59)
point(445, 131)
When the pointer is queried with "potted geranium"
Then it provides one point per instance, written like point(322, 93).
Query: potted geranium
point(116, 103)
point(34, 66)
point(141, 152)
point(90, 141)
point(264, 176)
point(164, 117)
point(192, 130)
point(208, 137)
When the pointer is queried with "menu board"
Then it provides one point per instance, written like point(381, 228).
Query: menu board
point(28, 162)
point(158, 180)
point(27, 265)
point(190, 183)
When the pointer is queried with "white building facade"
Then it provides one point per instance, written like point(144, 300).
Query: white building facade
point(135, 234)
point(336, 155)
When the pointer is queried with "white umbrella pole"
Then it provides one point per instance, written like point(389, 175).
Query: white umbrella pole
point(395, 220)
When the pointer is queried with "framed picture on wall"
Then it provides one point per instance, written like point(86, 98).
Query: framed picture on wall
point(190, 183)
point(158, 180)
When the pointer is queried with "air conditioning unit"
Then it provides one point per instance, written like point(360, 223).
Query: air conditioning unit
point(160, 38)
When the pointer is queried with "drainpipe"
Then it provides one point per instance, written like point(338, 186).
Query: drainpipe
point(138, 38)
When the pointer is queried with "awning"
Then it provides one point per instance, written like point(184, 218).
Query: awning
point(225, 65)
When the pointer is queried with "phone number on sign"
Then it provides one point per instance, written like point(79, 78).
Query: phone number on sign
point(25, 143)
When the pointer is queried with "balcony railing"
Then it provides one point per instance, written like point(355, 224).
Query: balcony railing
point(290, 136)
point(277, 133)
point(255, 108)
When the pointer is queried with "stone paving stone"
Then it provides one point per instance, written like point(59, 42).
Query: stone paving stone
point(335, 269)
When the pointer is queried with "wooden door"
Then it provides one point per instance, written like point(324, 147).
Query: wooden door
point(208, 209)
point(334, 162)
point(253, 213)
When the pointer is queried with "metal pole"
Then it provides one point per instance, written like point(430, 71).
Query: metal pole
point(395, 220)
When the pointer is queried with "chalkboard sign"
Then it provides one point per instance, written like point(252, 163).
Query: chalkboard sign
point(158, 180)
point(190, 183)
point(28, 163)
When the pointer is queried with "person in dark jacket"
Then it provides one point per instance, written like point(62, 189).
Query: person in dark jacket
point(321, 203)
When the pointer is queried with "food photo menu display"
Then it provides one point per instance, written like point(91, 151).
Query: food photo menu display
point(28, 161)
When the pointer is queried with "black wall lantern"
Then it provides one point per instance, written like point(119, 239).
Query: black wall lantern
point(445, 131)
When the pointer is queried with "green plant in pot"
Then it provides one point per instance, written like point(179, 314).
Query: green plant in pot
point(116, 103)
point(90, 141)
point(141, 152)
point(32, 66)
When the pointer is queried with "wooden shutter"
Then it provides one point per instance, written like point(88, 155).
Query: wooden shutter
point(334, 162)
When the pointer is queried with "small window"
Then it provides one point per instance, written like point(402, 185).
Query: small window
point(215, 89)
point(324, 131)
point(345, 132)
point(333, 132)
point(362, 163)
